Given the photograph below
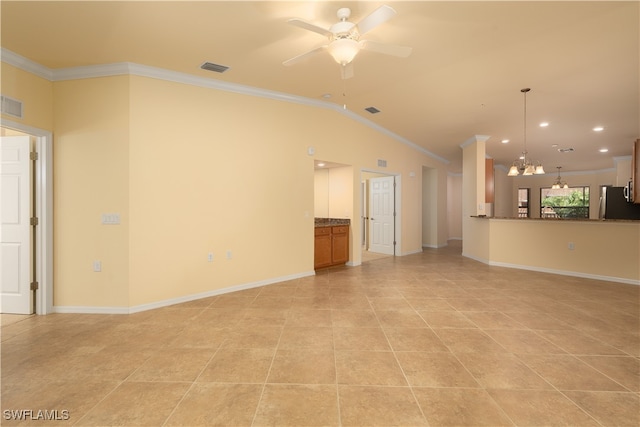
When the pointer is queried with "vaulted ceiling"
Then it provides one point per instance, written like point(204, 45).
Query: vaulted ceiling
point(463, 78)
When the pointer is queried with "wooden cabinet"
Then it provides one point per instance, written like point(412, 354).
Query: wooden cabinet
point(322, 247)
point(339, 244)
point(331, 246)
point(489, 182)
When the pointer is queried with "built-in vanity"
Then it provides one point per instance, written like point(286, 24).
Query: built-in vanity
point(331, 245)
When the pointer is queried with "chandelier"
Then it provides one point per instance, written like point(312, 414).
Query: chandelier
point(558, 184)
point(524, 165)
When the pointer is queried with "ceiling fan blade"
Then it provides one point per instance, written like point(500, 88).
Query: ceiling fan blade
point(346, 71)
point(303, 56)
point(375, 18)
point(309, 26)
point(387, 49)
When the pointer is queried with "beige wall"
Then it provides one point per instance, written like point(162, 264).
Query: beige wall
point(206, 182)
point(454, 206)
point(504, 203)
point(35, 93)
point(430, 207)
point(91, 178)
point(607, 250)
point(340, 192)
point(189, 177)
point(321, 193)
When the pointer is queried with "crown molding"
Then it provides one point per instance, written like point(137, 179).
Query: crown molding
point(473, 139)
point(129, 68)
point(25, 64)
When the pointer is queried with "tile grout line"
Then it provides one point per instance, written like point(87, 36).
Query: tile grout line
point(395, 356)
point(193, 383)
point(273, 358)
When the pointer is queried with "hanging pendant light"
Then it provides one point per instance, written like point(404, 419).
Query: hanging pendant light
point(523, 164)
point(558, 184)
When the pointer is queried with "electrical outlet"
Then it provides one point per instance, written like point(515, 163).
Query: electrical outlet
point(571, 246)
point(210, 257)
point(97, 266)
point(229, 255)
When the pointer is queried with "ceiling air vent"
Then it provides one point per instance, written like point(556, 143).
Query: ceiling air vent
point(210, 66)
point(372, 110)
point(566, 150)
point(11, 107)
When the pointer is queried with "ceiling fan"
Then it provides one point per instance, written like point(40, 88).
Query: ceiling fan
point(344, 38)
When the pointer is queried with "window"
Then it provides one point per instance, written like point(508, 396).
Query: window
point(572, 202)
point(523, 203)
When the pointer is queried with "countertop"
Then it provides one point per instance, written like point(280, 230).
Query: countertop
point(328, 222)
point(555, 219)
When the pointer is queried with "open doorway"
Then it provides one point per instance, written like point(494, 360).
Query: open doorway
point(39, 243)
point(380, 218)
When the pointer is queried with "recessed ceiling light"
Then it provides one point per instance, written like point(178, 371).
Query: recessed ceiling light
point(326, 96)
point(320, 165)
point(603, 150)
point(554, 145)
point(598, 129)
point(544, 124)
point(505, 141)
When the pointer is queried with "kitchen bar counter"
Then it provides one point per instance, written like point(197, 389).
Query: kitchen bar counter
point(591, 248)
point(555, 219)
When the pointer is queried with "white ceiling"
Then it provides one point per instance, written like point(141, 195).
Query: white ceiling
point(463, 78)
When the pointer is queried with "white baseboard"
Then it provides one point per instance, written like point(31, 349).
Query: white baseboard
point(444, 245)
point(177, 300)
point(554, 271)
point(78, 309)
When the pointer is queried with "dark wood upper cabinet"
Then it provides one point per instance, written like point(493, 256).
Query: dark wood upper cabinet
point(489, 182)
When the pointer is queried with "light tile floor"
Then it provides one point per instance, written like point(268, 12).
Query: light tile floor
point(428, 339)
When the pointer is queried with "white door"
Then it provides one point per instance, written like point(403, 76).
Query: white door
point(15, 212)
point(381, 215)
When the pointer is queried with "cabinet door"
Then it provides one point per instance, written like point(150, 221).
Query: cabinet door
point(322, 250)
point(489, 182)
point(340, 245)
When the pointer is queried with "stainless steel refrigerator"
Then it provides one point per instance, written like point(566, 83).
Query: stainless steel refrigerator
point(613, 204)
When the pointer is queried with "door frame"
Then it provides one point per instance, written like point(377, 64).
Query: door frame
point(397, 205)
point(43, 184)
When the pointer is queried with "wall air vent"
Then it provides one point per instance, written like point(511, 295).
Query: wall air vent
point(382, 163)
point(210, 66)
point(566, 150)
point(372, 110)
point(11, 107)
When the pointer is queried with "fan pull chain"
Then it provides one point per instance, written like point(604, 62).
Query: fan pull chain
point(344, 94)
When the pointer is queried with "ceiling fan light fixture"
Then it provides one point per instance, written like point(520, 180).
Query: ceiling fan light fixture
point(343, 50)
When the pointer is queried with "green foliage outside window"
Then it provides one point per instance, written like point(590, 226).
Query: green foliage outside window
point(566, 203)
